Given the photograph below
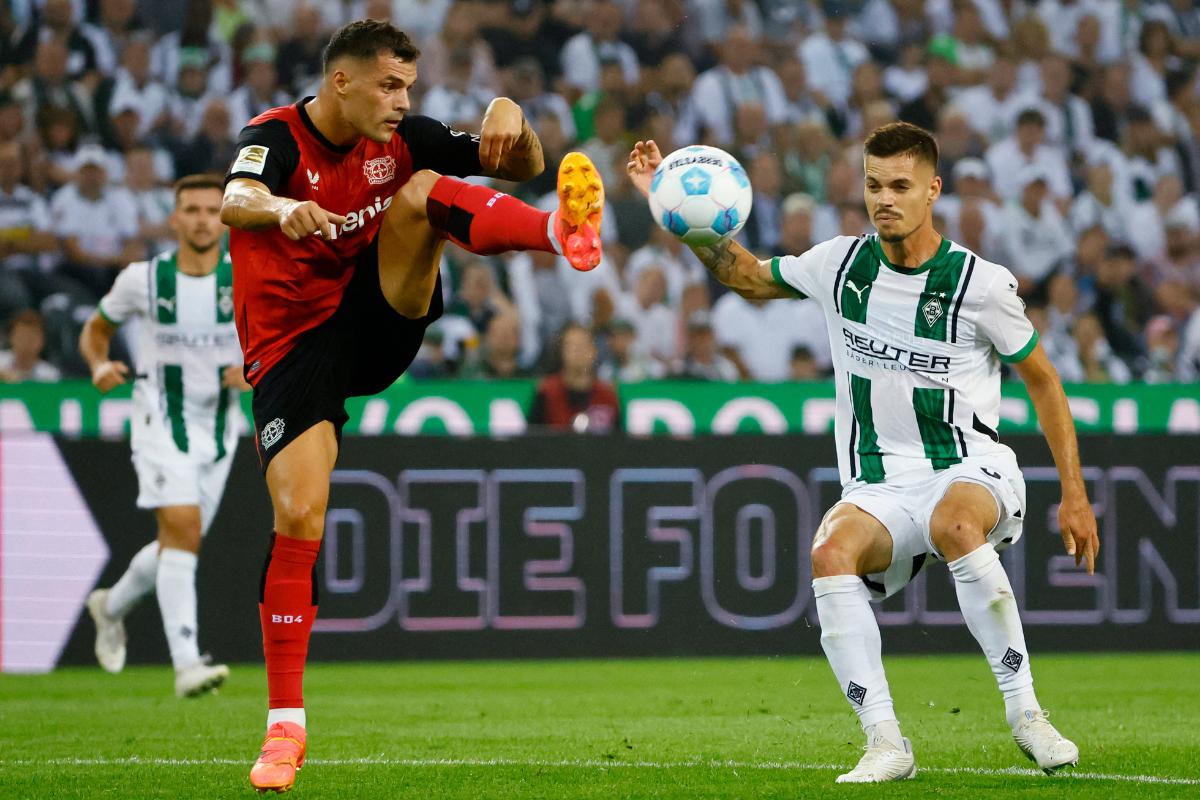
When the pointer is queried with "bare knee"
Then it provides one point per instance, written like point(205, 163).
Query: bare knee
point(300, 517)
point(414, 194)
point(179, 527)
point(954, 536)
point(835, 551)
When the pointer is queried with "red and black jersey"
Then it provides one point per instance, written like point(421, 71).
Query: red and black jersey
point(283, 288)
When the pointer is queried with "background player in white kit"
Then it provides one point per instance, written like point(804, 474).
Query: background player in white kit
point(184, 428)
point(918, 327)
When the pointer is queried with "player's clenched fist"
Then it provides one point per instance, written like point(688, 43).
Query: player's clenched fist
point(109, 374)
point(300, 219)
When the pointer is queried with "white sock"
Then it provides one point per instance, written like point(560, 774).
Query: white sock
point(136, 583)
point(551, 235)
point(295, 715)
point(850, 638)
point(176, 586)
point(986, 599)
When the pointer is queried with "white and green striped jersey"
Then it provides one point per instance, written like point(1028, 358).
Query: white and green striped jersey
point(916, 351)
point(186, 340)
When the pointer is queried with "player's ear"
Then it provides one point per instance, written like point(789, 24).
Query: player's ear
point(935, 188)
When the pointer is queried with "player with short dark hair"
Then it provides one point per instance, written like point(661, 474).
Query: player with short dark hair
point(919, 326)
point(183, 425)
point(340, 206)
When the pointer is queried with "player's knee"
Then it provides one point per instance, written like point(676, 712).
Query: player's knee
point(179, 529)
point(414, 194)
point(955, 535)
point(834, 554)
point(300, 518)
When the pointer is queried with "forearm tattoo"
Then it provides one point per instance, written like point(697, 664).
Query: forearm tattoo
point(719, 259)
point(525, 160)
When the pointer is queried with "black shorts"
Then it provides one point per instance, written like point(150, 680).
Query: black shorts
point(361, 350)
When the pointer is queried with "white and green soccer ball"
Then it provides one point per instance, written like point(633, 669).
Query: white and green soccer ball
point(700, 194)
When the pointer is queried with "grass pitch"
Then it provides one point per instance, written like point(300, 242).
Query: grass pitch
point(702, 728)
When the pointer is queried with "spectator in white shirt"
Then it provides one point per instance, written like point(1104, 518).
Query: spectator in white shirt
point(831, 55)
point(155, 201)
point(1101, 204)
point(96, 224)
point(972, 185)
point(736, 81)
point(713, 19)
point(655, 323)
point(1036, 238)
point(582, 53)
point(456, 101)
point(667, 253)
point(702, 360)
point(1008, 159)
point(260, 90)
point(24, 236)
point(991, 107)
point(135, 88)
point(1068, 117)
point(22, 361)
point(758, 336)
point(525, 83)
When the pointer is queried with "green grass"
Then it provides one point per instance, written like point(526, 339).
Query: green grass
point(730, 728)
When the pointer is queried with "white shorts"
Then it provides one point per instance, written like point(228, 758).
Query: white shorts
point(905, 507)
point(167, 477)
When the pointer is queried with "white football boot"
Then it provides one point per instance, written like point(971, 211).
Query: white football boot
point(882, 761)
point(110, 632)
point(200, 678)
point(1042, 743)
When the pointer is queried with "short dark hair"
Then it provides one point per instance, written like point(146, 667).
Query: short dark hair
point(204, 180)
point(367, 38)
point(902, 138)
point(1031, 116)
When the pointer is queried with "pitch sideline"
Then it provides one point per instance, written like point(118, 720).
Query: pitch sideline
point(586, 764)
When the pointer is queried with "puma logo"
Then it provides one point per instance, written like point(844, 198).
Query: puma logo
point(990, 473)
point(168, 303)
point(857, 290)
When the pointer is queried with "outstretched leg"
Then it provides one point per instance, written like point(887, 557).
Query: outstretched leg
point(849, 544)
point(959, 529)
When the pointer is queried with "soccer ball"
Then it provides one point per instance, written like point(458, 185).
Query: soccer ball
point(700, 194)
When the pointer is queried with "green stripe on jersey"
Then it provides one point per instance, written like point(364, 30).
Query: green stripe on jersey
point(870, 459)
point(937, 435)
point(173, 386)
point(224, 297)
point(777, 274)
point(222, 409)
point(1021, 354)
point(856, 289)
point(164, 289)
point(937, 300)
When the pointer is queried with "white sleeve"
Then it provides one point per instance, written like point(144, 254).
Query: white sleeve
point(129, 295)
point(1002, 320)
point(802, 273)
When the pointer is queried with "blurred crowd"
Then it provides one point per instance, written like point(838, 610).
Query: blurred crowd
point(1069, 134)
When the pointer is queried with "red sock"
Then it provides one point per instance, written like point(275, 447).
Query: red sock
point(485, 221)
point(287, 607)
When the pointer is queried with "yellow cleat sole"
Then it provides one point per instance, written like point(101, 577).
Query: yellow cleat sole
point(580, 191)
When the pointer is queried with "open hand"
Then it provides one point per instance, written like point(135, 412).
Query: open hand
point(1077, 524)
point(644, 158)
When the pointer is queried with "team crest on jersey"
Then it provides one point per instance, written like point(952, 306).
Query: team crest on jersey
point(272, 432)
point(225, 300)
point(932, 311)
point(380, 170)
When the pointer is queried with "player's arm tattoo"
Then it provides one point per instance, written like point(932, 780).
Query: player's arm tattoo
point(525, 160)
point(740, 270)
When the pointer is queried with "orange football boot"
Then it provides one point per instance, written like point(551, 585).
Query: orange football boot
point(580, 206)
point(281, 757)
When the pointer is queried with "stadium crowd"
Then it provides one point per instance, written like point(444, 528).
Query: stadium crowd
point(1069, 134)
